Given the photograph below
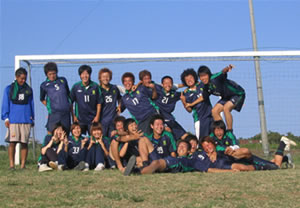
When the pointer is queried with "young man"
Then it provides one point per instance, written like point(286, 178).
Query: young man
point(18, 115)
point(159, 144)
point(226, 141)
point(111, 101)
point(166, 100)
point(87, 98)
point(137, 102)
point(194, 100)
point(55, 95)
point(232, 94)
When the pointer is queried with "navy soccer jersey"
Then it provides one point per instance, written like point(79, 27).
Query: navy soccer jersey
point(199, 161)
point(110, 101)
point(203, 109)
point(219, 85)
point(86, 99)
point(166, 102)
point(165, 145)
point(47, 139)
point(74, 148)
point(138, 103)
point(56, 93)
point(228, 140)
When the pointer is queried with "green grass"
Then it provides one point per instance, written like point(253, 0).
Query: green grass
point(110, 188)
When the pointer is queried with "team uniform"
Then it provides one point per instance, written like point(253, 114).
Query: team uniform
point(219, 85)
point(109, 162)
point(163, 147)
point(177, 164)
point(95, 155)
point(138, 103)
point(108, 108)
point(228, 140)
point(198, 161)
point(57, 96)
point(166, 104)
point(76, 154)
point(86, 99)
point(201, 111)
point(18, 108)
point(51, 154)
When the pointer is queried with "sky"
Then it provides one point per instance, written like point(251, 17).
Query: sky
point(153, 26)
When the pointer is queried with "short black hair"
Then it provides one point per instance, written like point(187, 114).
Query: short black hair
point(144, 73)
point(156, 117)
point(50, 66)
point(184, 141)
point(20, 71)
point(127, 74)
point(166, 77)
point(119, 119)
point(218, 124)
point(191, 137)
point(127, 122)
point(206, 139)
point(57, 125)
point(86, 68)
point(204, 70)
point(187, 72)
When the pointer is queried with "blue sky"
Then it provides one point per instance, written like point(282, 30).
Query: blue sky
point(145, 26)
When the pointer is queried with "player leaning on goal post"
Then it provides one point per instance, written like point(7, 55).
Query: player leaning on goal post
point(18, 114)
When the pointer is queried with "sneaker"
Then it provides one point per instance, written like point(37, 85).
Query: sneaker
point(60, 167)
point(288, 142)
point(99, 167)
point(53, 165)
point(130, 165)
point(80, 166)
point(44, 167)
point(86, 167)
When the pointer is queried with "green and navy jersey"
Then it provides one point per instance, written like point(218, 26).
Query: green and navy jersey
point(86, 99)
point(219, 85)
point(74, 147)
point(198, 161)
point(228, 140)
point(47, 139)
point(166, 102)
point(165, 145)
point(110, 99)
point(203, 109)
point(57, 95)
point(138, 103)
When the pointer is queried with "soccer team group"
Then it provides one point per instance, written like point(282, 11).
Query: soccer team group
point(148, 142)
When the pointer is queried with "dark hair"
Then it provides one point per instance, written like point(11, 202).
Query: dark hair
point(207, 139)
point(191, 137)
point(218, 124)
point(57, 125)
point(187, 72)
point(128, 74)
point(119, 119)
point(156, 117)
point(204, 70)
point(127, 122)
point(86, 68)
point(20, 71)
point(166, 77)
point(144, 73)
point(105, 70)
point(50, 66)
point(74, 125)
point(184, 141)
point(95, 126)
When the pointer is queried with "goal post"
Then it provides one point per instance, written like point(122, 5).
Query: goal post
point(76, 59)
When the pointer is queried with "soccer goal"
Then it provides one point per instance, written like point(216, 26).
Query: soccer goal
point(276, 110)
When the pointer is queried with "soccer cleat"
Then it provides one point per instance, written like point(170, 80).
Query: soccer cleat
point(130, 165)
point(44, 167)
point(99, 167)
point(53, 165)
point(80, 166)
point(288, 142)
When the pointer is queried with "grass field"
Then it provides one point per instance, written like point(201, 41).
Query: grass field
point(109, 188)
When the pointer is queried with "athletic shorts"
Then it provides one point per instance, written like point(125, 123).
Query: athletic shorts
point(222, 163)
point(145, 125)
point(176, 128)
point(202, 127)
point(154, 156)
point(19, 133)
point(62, 117)
point(237, 100)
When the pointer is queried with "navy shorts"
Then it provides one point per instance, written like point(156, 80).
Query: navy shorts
point(145, 125)
point(177, 130)
point(154, 156)
point(63, 117)
point(237, 100)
